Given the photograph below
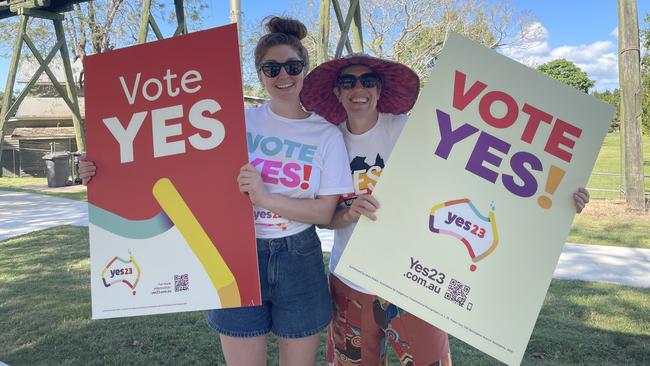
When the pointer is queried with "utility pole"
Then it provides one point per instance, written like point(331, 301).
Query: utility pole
point(630, 63)
point(621, 113)
point(235, 17)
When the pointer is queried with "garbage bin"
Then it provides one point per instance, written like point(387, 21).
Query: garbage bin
point(74, 161)
point(57, 169)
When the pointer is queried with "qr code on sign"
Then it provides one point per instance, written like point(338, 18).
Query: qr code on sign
point(181, 283)
point(457, 292)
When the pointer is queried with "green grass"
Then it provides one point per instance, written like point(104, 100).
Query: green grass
point(583, 323)
point(632, 234)
point(45, 318)
point(23, 185)
point(609, 161)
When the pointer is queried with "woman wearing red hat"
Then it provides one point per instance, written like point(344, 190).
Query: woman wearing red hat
point(368, 98)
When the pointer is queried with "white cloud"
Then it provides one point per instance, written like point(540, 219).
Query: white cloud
point(614, 33)
point(583, 53)
point(599, 59)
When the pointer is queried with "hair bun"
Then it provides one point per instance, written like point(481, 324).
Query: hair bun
point(293, 27)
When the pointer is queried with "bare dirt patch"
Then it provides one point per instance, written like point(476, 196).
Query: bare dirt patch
point(614, 210)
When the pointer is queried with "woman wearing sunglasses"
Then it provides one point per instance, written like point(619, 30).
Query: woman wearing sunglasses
point(368, 98)
point(297, 170)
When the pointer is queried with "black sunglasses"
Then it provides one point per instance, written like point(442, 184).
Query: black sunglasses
point(272, 68)
point(369, 80)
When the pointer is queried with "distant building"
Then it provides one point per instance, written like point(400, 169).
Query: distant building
point(40, 126)
point(42, 123)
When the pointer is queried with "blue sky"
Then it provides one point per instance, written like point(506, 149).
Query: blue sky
point(582, 31)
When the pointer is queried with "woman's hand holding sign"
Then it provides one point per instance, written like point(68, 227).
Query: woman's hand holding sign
point(250, 183)
point(365, 205)
point(581, 198)
point(86, 170)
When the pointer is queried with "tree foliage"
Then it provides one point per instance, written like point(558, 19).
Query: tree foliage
point(612, 98)
point(568, 73)
point(13, 96)
point(99, 25)
point(413, 31)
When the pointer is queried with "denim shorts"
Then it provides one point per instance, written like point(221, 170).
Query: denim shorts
point(295, 295)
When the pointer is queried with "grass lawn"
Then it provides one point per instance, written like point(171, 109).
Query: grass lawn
point(45, 318)
point(37, 185)
point(609, 161)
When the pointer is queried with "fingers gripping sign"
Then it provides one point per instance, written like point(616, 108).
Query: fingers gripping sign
point(365, 205)
point(250, 183)
point(86, 170)
point(581, 198)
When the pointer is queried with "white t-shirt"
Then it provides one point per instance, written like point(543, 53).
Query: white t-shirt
point(298, 158)
point(367, 155)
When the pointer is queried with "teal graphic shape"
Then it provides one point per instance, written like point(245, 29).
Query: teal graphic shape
point(132, 229)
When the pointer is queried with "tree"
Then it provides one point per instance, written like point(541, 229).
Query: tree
point(100, 25)
point(93, 27)
point(612, 98)
point(413, 31)
point(568, 73)
point(13, 97)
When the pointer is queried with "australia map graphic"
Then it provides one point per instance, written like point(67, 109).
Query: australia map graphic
point(462, 220)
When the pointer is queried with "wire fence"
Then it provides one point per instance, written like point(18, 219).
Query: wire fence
point(602, 185)
point(27, 159)
point(607, 186)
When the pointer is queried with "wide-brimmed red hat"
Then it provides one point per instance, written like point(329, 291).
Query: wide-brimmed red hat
point(399, 87)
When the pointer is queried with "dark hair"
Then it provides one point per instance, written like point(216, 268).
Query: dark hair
point(282, 31)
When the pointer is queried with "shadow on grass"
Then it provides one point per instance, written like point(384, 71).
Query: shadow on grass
point(582, 323)
point(45, 312)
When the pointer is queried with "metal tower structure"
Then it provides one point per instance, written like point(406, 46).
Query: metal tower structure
point(352, 21)
point(49, 10)
point(54, 10)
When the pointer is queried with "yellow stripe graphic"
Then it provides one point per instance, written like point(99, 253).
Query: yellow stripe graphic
point(177, 210)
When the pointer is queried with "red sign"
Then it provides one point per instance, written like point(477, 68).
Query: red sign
point(165, 128)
